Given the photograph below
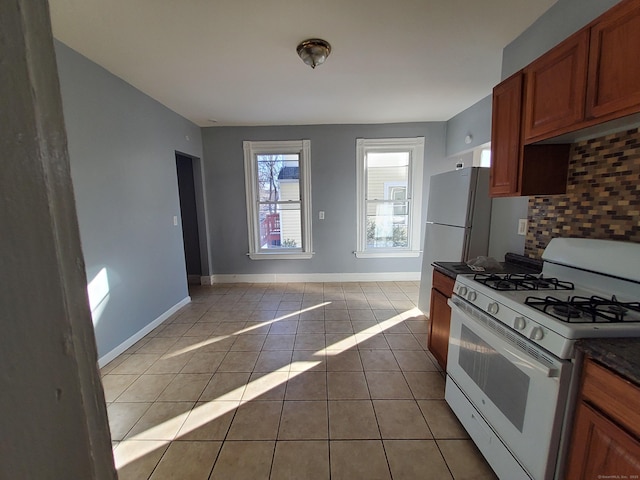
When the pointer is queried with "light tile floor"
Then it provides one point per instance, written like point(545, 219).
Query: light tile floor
point(287, 381)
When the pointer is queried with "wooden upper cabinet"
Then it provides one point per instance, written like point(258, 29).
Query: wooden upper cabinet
point(614, 63)
point(518, 169)
point(505, 136)
point(555, 88)
point(590, 78)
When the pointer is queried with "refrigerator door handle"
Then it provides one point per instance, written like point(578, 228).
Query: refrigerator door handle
point(466, 245)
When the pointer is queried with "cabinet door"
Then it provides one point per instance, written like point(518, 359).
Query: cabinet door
point(614, 63)
point(601, 449)
point(614, 396)
point(505, 137)
point(443, 283)
point(439, 321)
point(555, 89)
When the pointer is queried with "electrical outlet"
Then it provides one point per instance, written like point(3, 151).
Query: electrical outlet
point(522, 226)
point(321, 215)
point(175, 220)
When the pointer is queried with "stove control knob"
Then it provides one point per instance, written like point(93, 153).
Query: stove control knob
point(462, 290)
point(493, 308)
point(536, 333)
point(472, 296)
point(519, 323)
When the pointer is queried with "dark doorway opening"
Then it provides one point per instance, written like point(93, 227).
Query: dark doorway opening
point(189, 214)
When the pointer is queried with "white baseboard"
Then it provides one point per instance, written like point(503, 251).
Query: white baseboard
point(312, 277)
point(102, 361)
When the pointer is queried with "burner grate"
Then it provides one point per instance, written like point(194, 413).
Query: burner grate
point(521, 281)
point(592, 309)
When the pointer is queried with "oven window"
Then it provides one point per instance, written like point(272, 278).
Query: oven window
point(505, 385)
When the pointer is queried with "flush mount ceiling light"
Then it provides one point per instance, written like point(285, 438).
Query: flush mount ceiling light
point(314, 51)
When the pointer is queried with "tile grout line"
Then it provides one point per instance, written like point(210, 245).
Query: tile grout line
point(235, 411)
point(326, 382)
point(375, 414)
point(296, 333)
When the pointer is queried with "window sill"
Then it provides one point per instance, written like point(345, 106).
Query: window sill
point(281, 256)
point(403, 254)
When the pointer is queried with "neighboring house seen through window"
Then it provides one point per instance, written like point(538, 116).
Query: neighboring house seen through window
point(389, 196)
point(278, 192)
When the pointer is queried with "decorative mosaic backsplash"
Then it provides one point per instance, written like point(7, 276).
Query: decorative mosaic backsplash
point(602, 199)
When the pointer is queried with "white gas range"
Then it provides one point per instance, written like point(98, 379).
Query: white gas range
point(511, 368)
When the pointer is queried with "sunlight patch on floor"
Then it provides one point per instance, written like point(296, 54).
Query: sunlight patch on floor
point(210, 341)
point(132, 449)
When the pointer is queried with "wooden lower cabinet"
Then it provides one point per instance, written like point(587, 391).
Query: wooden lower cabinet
point(605, 441)
point(600, 448)
point(440, 317)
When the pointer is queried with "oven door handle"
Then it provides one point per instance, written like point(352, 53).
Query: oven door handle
point(520, 358)
point(515, 355)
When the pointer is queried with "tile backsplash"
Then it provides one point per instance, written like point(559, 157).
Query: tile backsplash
point(602, 199)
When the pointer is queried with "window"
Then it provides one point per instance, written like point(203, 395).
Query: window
point(485, 157)
point(278, 189)
point(389, 196)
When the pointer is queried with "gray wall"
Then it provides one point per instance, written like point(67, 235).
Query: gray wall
point(503, 237)
point(474, 121)
point(559, 22)
point(122, 148)
point(333, 178)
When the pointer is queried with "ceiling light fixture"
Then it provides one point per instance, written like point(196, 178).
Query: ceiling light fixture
point(314, 51)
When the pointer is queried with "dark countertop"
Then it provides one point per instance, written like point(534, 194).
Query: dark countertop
point(513, 263)
point(622, 355)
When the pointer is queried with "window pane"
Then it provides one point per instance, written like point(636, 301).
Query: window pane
point(278, 177)
point(386, 228)
point(485, 157)
point(280, 226)
point(384, 172)
point(401, 207)
point(398, 193)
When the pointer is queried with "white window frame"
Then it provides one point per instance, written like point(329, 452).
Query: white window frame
point(251, 151)
point(415, 147)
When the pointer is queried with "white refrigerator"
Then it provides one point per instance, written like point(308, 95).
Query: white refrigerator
point(458, 221)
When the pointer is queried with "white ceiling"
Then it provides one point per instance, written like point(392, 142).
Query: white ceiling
point(235, 61)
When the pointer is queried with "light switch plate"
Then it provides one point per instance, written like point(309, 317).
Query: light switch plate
point(522, 226)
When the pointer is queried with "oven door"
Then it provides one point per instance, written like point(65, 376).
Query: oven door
point(519, 389)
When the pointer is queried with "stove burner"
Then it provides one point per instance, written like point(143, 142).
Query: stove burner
point(521, 281)
point(617, 309)
point(566, 310)
point(579, 309)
